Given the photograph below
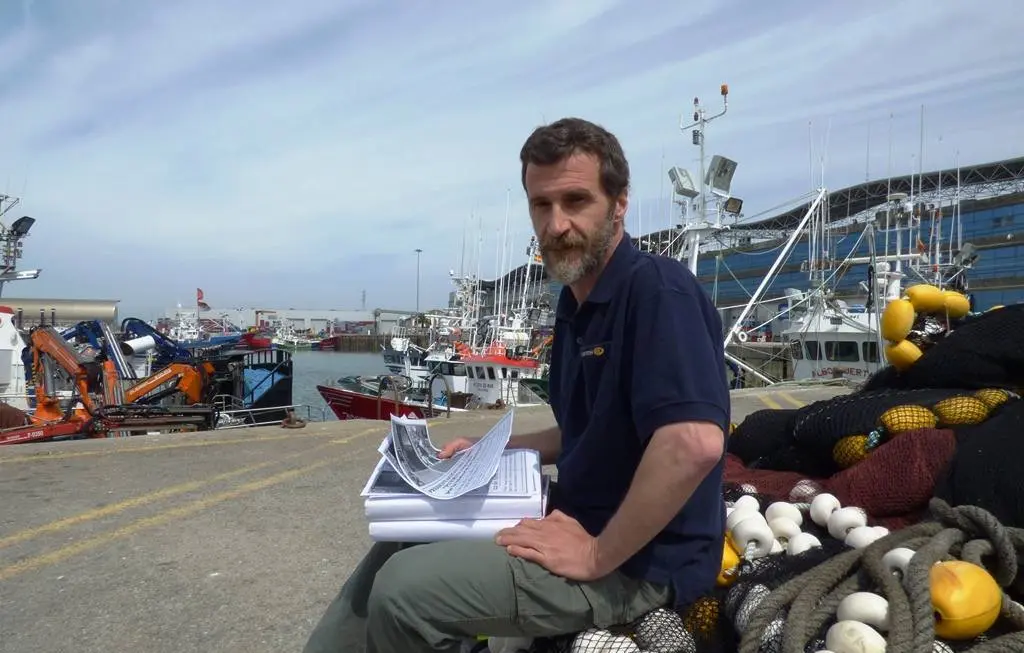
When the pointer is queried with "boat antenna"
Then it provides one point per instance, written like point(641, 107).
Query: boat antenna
point(12, 243)
point(699, 124)
point(722, 170)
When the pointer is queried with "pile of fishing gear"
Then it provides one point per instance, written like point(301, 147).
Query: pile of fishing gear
point(889, 519)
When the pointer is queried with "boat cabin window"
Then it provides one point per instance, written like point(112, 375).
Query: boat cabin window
point(480, 372)
point(843, 351)
point(871, 351)
point(504, 372)
point(451, 369)
point(515, 374)
point(813, 351)
point(490, 373)
point(796, 350)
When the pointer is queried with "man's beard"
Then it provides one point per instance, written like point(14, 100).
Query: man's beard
point(573, 256)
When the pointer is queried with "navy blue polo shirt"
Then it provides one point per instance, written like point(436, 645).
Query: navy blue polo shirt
point(642, 351)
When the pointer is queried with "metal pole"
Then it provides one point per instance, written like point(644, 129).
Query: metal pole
point(418, 252)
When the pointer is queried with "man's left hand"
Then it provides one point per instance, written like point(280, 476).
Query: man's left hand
point(557, 542)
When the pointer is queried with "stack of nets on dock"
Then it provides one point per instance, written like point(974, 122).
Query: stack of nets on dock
point(918, 467)
point(947, 426)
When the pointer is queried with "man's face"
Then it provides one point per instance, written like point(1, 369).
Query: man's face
point(575, 222)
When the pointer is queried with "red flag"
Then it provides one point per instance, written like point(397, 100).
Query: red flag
point(199, 294)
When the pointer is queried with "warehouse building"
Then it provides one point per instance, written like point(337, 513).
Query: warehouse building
point(366, 322)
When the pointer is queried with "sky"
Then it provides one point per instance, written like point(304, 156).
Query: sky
point(295, 154)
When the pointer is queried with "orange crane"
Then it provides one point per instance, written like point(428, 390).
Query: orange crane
point(97, 387)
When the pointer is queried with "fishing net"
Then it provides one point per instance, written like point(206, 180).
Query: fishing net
point(988, 470)
point(827, 436)
point(982, 352)
point(790, 603)
point(933, 453)
point(761, 433)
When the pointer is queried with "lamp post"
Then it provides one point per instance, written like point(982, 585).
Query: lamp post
point(418, 252)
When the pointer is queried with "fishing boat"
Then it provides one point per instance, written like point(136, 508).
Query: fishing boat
point(467, 381)
point(865, 246)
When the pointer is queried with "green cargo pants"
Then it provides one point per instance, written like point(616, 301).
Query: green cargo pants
point(427, 598)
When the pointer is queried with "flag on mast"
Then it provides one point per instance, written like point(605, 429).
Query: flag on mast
point(203, 306)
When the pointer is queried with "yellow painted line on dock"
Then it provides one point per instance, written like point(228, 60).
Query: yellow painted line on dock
point(159, 519)
point(163, 493)
point(790, 399)
point(292, 435)
point(771, 403)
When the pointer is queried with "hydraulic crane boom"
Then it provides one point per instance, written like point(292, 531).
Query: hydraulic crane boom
point(105, 408)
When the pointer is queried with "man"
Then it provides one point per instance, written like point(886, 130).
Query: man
point(640, 397)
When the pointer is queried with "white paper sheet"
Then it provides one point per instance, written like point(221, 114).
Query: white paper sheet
point(518, 475)
point(414, 457)
point(438, 530)
point(518, 490)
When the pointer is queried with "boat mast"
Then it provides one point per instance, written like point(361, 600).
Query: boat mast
point(696, 228)
point(12, 243)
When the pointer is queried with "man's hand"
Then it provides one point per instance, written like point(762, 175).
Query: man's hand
point(455, 446)
point(556, 542)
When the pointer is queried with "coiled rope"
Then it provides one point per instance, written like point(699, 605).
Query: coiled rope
point(967, 533)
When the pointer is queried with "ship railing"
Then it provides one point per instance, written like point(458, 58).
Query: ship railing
point(238, 418)
point(28, 397)
point(431, 409)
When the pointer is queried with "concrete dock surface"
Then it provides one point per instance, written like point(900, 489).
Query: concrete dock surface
point(227, 541)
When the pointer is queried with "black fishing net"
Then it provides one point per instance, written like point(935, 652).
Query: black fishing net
point(761, 433)
point(988, 470)
point(799, 596)
point(982, 352)
point(966, 382)
point(827, 436)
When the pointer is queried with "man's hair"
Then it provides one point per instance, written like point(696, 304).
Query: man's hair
point(549, 144)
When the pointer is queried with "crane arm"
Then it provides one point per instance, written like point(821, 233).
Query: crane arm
point(191, 381)
point(46, 341)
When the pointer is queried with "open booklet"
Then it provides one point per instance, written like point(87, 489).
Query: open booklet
point(414, 457)
point(516, 491)
point(414, 496)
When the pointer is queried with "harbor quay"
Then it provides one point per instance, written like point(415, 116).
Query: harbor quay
point(231, 540)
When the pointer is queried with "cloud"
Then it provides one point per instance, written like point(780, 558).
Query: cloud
point(297, 153)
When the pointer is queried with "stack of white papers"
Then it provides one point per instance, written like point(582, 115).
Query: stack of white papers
point(414, 496)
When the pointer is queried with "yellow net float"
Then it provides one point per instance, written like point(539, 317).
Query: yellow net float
point(993, 397)
point(958, 410)
point(730, 563)
point(908, 417)
point(903, 354)
point(851, 450)
point(926, 298)
point(900, 315)
point(703, 616)
point(966, 598)
point(961, 410)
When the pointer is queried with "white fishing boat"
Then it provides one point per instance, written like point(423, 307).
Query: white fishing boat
point(905, 239)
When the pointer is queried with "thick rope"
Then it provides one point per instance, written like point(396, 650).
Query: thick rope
point(899, 639)
point(968, 533)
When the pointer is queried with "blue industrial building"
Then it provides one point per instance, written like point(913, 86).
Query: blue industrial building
point(985, 202)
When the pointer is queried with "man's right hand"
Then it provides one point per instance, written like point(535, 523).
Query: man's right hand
point(455, 446)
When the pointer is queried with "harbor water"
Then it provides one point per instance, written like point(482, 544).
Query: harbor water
point(320, 367)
